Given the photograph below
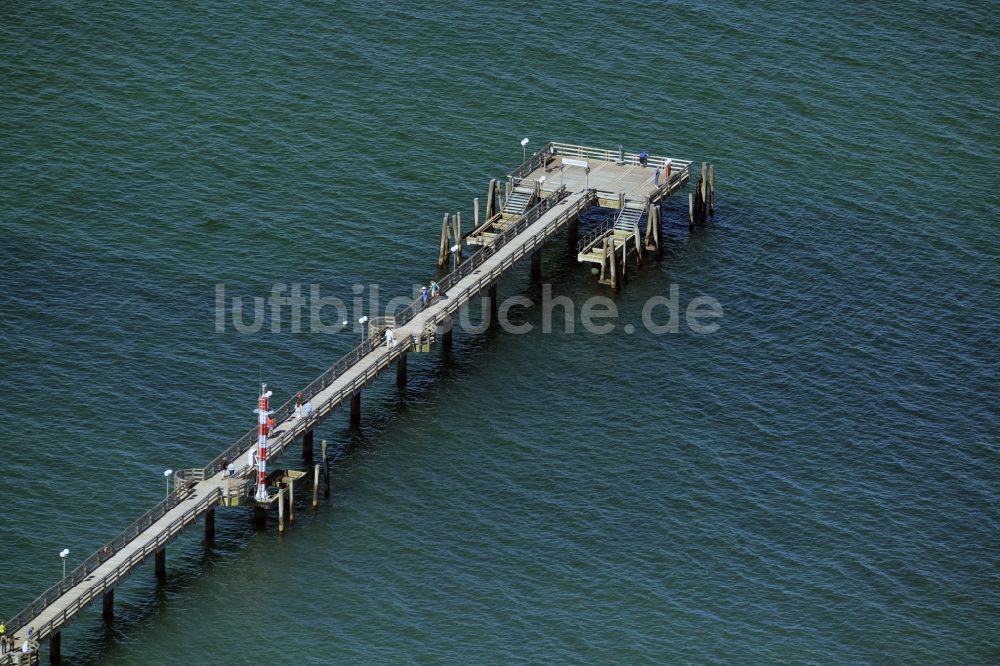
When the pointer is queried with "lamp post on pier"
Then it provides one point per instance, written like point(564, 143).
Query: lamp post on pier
point(363, 321)
point(524, 149)
point(63, 554)
point(166, 477)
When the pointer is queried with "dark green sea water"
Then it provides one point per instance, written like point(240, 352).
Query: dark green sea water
point(816, 482)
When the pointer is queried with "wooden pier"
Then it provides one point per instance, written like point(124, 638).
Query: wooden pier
point(543, 197)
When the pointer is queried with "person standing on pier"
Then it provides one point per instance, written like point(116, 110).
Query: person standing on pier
point(424, 296)
point(298, 405)
point(435, 290)
point(656, 177)
point(643, 156)
point(389, 341)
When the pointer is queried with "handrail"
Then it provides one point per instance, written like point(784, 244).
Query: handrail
point(108, 580)
point(592, 236)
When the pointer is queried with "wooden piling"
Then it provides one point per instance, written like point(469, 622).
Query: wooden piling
point(259, 514)
point(638, 244)
point(494, 305)
point(704, 192)
point(443, 248)
point(291, 501)
point(316, 487)
point(281, 511)
point(307, 446)
point(55, 650)
point(458, 238)
point(108, 605)
point(614, 264)
point(536, 266)
point(491, 202)
point(326, 472)
point(711, 190)
point(690, 210)
point(604, 262)
point(356, 410)
point(160, 563)
point(656, 236)
point(447, 327)
point(401, 370)
point(210, 524)
point(475, 213)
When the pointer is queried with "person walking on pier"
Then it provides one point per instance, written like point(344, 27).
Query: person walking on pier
point(424, 296)
point(298, 405)
point(656, 177)
point(390, 342)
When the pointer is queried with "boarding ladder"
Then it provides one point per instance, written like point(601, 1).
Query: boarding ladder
point(518, 201)
point(629, 216)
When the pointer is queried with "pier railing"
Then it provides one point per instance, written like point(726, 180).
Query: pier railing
point(184, 488)
point(111, 579)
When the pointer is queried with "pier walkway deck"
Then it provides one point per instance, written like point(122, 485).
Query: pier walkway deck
point(587, 177)
point(107, 568)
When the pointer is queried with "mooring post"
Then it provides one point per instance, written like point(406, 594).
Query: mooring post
point(401, 369)
point(475, 213)
point(491, 202)
point(210, 524)
point(690, 210)
point(536, 266)
point(160, 563)
point(316, 487)
point(458, 238)
point(291, 501)
point(614, 263)
point(638, 244)
point(443, 249)
point(307, 446)
point(711, 190)
point(704, 193)
point(108, 605)
point(326, 471)
point(604, 262)
point(356, 410)
point(281, 511)
point(656, 235)
point(55, 648)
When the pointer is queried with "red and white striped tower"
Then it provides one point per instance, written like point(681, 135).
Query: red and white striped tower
point(262, 414)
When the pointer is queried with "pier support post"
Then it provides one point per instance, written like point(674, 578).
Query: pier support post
point(161, 563)
point(291, 501)
point(356, 410)
point(690, 210)
point(281, 511)
point(704, 193)
point(401, 370)
point(536, 266)
point(210, 524)
point(307, 446)
point(326, 471)
point(475, 213)
point(108, 605)
point(573, 235)
point(316, 487)
point(55, 648)
point(447, 327)
point(494, 305)
point(457, 224)
point(259, 515)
